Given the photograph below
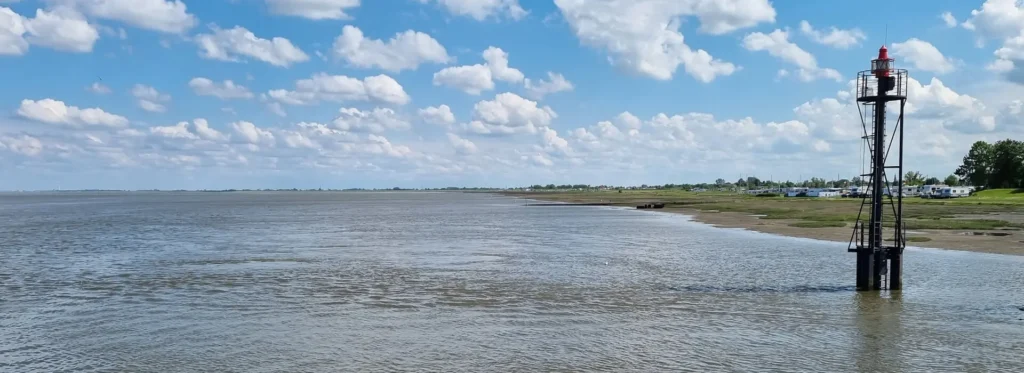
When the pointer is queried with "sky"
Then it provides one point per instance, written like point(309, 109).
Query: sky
point(218, 94)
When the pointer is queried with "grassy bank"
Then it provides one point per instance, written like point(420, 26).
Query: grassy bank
point(991, 209)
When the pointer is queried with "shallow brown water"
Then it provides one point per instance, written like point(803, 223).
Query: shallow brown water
point(294, 282)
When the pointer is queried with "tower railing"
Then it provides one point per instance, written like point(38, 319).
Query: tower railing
point(867, 82)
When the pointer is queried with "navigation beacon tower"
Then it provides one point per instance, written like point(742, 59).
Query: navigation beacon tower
point(880, 235)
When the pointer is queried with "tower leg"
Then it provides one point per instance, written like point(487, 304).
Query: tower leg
point(880, 268)
point(896, 271)
point(868, 277)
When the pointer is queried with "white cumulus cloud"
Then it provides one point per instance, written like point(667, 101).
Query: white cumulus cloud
point(151, 106)
point(377, 120)
point(178, 131)
point(169, 16)
point(461, 145)
point(340, 88)
point(482, 9)
point(54, 111)
point(24, 144)
point(836, 38)
point(474, 79)
point(98, 88)
point(497, 62)
point(385, 89)
point(205, 132)
point(1002, 20)
point(62, 29)
point(508, 114)
point(441, 115)
point(948, 19)
point(923, 55)
point(313, 9)
point(149, 98)
point(225, 90)
point(778, 45)
point(405, 51)
point(232, 44)
point(252, 134)
point(12, 31)
point(643, 36)
point(555, 83)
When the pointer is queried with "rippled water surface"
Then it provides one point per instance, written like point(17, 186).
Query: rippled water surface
point(296, 282)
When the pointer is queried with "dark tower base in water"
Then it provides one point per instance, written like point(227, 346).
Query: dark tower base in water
point(880, 258)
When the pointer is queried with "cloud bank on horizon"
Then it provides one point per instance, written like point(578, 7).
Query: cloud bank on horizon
point(139, 94)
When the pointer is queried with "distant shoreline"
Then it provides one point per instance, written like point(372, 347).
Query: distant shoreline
point(973, 240)
point(247, 190)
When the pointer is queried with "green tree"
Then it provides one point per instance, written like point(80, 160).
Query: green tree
point(1007, 164)
point(952, 180)
point(857, 181)
point(913, 178)
point(719, 181)
point(932, 181)
point(977, 165)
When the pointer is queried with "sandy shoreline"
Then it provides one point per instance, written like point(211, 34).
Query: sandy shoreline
point(939, 239)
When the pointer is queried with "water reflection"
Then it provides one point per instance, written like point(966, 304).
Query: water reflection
point(879, 331)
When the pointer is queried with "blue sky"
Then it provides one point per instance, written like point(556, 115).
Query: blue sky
point(132, 94)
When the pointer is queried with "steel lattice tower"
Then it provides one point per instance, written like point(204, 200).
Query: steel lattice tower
point(879, 246)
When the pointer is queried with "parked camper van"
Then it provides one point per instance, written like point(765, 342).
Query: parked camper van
point(954, 192)
point(932, 191)
point(823, 192)
point(856, 191)
point(796, 192)
point(907, 191)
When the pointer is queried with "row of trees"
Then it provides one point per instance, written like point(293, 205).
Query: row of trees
point(998, 165)
point(916, 178)
point(995, 165)
point(564, 186)
point(814, 182)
